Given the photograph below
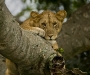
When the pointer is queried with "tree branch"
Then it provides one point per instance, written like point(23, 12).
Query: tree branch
point(29, 51)
point(75, 35)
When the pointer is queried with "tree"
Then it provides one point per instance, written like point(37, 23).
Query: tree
point(15, 41)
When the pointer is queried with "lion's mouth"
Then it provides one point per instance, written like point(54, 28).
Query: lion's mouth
point(50, 38)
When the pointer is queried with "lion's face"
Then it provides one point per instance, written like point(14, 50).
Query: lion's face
point(50, 22)
point(51, 25)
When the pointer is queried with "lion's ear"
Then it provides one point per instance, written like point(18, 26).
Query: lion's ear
point(61, 15)
point(34, 14)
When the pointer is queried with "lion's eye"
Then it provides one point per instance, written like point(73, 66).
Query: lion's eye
point(44, 24)
point(54, 24)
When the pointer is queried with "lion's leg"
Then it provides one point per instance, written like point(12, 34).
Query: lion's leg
point(36, 30)
point(11, 68)
point(54, 44)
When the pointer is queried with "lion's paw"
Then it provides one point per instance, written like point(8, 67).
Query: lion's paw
point(39, 31)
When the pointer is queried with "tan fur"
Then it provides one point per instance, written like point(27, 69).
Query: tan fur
point(47, 24)
point(49, 21)
point(12, 68)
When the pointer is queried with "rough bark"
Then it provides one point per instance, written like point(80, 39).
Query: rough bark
point(2, 65)
point(75, 35)
point(31, 53)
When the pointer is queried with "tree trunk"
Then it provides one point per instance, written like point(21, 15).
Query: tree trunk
point(75, 35)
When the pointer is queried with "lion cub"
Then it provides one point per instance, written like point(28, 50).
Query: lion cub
point(47, 24)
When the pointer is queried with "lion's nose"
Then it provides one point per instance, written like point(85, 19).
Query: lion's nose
point(50, 35)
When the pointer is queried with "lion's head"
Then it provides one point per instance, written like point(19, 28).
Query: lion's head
point(50, 22)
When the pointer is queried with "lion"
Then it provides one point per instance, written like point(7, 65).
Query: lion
point(46, 24)
point(48, 21)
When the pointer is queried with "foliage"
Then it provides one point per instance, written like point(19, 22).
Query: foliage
point(60, 50)
point(54, 5)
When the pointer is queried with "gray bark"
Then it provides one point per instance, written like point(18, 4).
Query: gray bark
point(75, 35)
point(29, 51)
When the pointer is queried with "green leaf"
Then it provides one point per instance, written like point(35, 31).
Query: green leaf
point(60, 50)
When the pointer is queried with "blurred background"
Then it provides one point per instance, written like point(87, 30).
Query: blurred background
point(21, 9)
